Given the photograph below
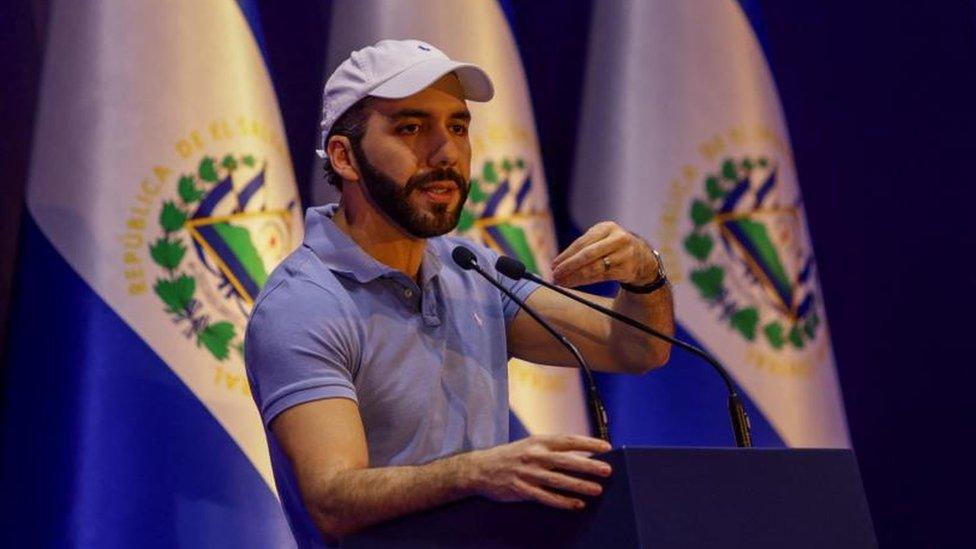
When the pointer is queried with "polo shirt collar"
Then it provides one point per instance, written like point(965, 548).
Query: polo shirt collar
point(342, 255)
point(431, 265)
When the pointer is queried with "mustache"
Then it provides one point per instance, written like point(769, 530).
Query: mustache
point(437, 174)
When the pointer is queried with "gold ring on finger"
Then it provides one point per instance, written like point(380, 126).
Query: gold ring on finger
point(606, 264)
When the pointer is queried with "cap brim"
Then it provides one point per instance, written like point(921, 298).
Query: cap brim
point(475, 82)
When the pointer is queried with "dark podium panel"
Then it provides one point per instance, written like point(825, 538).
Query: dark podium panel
point(669, 497)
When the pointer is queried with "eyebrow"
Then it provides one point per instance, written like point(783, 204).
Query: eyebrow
point(419, 113)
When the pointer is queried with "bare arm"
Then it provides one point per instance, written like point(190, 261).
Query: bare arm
point(326, 445)
point(608, 345)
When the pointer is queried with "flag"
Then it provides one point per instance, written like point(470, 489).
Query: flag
point(508, 205)
point(683, 141)
point(160, 197)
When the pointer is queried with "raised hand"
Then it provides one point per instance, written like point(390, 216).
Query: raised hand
point(605, 252)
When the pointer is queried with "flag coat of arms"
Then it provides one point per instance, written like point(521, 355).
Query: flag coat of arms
point(508, 205)
point(160, 197)
point(683, 128)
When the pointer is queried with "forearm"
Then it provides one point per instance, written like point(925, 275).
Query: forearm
point(638, 351)
point(350, 500)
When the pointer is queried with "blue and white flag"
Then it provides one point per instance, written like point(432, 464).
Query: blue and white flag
point(508, 206)
point(161, 195)
point(683, 141)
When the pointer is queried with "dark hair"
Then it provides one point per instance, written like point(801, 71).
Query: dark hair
point(351, 124)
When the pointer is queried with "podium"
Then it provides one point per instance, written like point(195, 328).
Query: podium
point(668, 497)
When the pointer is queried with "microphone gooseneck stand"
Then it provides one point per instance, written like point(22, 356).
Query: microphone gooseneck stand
point(514, 269)
point(466, 259)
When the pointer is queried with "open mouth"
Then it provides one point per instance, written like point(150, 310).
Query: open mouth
point(440, 191)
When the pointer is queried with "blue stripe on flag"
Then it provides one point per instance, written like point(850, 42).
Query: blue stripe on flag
point(682, 404)
point(250, 10)
point(509, 10)
point(499, 237)
point(213, 198)
point(103, 446)
point(783, 288)
point(496, 198)
point(766, 187)
point(754, 13)
point(223, 250)
point(516, 430)
point(251, 189)
point(523, 192)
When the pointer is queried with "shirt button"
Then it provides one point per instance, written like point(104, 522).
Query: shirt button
point(408, 293)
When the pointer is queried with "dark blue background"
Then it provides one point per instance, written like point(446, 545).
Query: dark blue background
point(879, 98)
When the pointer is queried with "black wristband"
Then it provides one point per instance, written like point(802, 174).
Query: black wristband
point(647, 288)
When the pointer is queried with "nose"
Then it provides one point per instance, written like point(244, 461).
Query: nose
point(445, 151)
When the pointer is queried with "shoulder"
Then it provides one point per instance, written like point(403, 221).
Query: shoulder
point(299, 276)
point(302, 317)
point(300, 289)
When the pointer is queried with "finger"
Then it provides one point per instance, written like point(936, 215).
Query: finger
point(621, 264)
point(564, 482)
point(565, 443)
point(584, 244)
point(589, 254)
point(595, 271)
point(546, 497)
point(595, 233)
point(576, 463)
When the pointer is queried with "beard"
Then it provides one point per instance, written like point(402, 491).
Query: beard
point(393, 199)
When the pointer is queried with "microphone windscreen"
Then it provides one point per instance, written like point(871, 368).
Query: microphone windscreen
point(464, 257)
point(510, 267)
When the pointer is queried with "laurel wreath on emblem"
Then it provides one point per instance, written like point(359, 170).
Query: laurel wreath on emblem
point(177, 290)
point(716, 221)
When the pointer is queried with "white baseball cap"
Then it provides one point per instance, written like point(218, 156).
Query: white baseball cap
point(393, 69)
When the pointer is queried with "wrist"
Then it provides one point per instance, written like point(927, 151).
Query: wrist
point(648, 283)
point(642, 280)
point(464, 473)
point(646, 288)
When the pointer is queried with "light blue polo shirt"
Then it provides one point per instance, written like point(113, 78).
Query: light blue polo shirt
point(427, 364)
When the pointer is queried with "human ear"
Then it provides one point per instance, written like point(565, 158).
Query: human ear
point(339, 150)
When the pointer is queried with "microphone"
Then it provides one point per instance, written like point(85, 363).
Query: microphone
point(466, 259)
point(741, 428)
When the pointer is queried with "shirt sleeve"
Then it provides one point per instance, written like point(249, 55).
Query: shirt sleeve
point(299, 347)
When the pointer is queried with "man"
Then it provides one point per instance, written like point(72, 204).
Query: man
point(379, 366)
